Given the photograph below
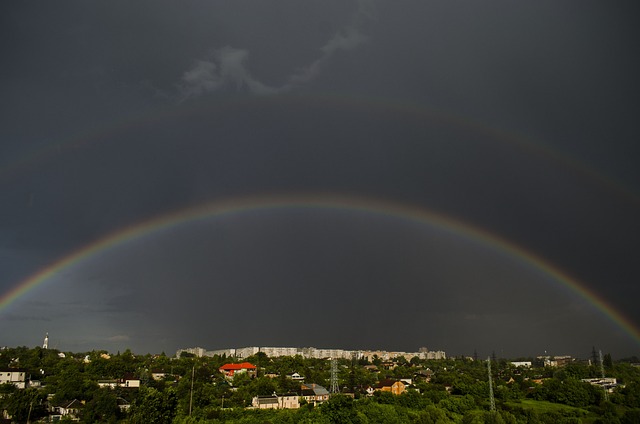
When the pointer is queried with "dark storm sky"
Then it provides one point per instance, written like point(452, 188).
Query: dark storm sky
point(520, 120)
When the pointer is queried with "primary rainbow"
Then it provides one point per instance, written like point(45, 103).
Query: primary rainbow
point(232, 206)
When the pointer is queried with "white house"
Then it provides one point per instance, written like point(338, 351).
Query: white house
point(296, 377)
point(286, 401)
point(15, 376)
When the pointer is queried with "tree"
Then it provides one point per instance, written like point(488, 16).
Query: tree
point(339, 409)
point(103, 407)
point(24, 404)
point(153, 407)
point(607, 362)
point(433, 415)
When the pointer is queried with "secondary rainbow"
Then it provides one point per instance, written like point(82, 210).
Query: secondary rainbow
point(419, 113)
point(232, 206)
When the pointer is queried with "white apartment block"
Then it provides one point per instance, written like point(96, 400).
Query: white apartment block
point(316, 353)
point(197, 351)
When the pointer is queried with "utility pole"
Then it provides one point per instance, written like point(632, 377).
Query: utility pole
point(193, 373)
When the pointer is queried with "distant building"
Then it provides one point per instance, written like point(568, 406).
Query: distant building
point(129, 381)
point(314, 394)
point(158, 375)
point(312, 352)
point(15, 376)
point(265, 402)
point(67, 410)
point(111, 384)
point(295, 377)
point(396, 387)
point(607, 383)
point(286, 401)
point(123, 404)
point(556, 361)
point(275, 352)
point(196, 351)
point(230, 370)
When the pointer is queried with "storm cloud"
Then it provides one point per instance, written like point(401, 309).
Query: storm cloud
point(227, 67)
point(471, 168)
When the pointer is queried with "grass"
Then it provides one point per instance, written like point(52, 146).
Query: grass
point(542, 406)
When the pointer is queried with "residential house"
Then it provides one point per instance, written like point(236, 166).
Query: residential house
point(607, 383)
point(314, 393)
point(112, 384)
point(286, 401)
point(289, 401)
point(15, 376)
point(123, 404)
point(158, 375)
point(130, 381)
point(69, 410)
point(394, 386)
point(265, 402)
point(424, 375)
point(127, 381)
point(229, 370)
point(296, 377)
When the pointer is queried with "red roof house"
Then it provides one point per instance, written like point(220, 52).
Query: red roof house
point(229, 370)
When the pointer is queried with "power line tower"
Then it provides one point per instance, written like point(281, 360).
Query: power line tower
point(604, 386)
point(334, 376)
point(491, 398)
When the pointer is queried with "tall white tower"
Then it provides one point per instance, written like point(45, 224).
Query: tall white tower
point(45, 345)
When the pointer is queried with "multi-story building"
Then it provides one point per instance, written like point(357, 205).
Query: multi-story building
point(316, 353)
point(197, 351)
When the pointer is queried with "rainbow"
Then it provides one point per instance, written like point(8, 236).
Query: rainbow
point(390, 109)
point(234, 206)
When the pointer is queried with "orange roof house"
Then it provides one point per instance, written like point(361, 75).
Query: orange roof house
point(229, 370)
point(394, 386)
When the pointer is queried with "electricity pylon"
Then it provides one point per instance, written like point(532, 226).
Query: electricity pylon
point(491, 399)
point(334, 377)
point(606, 393)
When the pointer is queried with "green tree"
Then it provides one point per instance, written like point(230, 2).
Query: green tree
point(433, 415)
point(23, 404)
point(339, 409)
point(607, 362)
point(102, 407)
point(153, 407)
point(71, 383)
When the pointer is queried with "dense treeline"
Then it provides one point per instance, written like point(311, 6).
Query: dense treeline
point(192, 390)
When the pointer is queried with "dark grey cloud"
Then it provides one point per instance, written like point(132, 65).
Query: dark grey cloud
point(228, 69)
point(518, 119)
